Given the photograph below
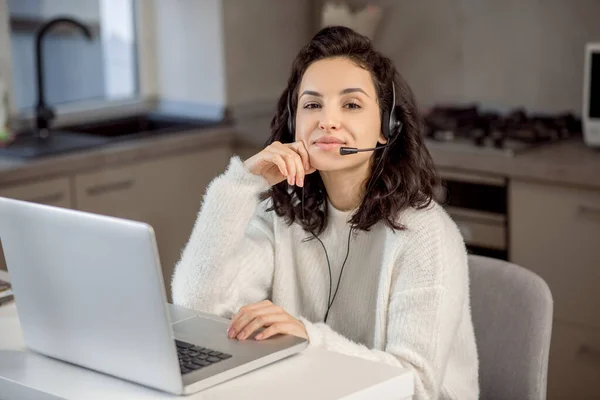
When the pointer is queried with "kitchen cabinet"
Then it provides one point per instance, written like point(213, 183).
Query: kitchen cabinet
point(555, 232)
point(164, 192)
point(574, 363)
point(54, 192)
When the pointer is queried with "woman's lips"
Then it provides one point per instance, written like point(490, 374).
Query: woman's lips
point(328, 145)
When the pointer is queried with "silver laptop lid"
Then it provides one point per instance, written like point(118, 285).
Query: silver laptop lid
point(89, 290)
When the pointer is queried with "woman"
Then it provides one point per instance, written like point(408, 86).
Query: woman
point(347, 251)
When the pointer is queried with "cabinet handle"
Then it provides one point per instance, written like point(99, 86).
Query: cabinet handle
point(109, 187)
point(589, 352)
point(589, 211)
point(48, 198)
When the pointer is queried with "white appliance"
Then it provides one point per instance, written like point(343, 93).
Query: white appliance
point(591, 95)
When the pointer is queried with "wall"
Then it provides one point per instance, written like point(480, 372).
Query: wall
point(262, 37)
point(502, 54)
point(189, 51)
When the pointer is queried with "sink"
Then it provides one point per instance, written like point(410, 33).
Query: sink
point(99, 133)
point(28, 146)
point(142, 125)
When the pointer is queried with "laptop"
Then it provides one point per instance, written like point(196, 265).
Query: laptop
point(89, 291)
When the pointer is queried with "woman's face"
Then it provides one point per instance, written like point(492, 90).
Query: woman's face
point(337, 106)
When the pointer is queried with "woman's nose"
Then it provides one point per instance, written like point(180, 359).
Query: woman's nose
point(329, 123)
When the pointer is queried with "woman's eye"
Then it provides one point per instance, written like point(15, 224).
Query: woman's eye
point(353, 106)
point(311, 105)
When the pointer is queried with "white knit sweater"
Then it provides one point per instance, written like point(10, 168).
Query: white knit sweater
point(403, 298)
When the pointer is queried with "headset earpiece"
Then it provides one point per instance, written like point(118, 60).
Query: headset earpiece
point(391, 125)
point(290, 121)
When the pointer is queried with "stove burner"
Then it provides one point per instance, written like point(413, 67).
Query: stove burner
point(510, 133)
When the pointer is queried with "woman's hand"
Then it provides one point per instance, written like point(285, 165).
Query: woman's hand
point(252, 317)
point(280, 161)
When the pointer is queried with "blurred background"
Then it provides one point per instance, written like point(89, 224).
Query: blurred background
point(135, 120)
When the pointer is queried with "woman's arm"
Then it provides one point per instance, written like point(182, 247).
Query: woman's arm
point(228, 260)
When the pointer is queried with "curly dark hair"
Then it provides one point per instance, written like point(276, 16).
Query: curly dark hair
point(407, 176)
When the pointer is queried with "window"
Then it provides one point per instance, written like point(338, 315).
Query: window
point(74, 68)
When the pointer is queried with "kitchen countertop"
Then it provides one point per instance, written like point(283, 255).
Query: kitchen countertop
point(13, 170)
point(567, 162)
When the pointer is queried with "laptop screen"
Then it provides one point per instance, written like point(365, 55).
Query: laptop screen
point(594, 110)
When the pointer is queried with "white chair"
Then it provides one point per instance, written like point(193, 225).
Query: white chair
point(512, 315)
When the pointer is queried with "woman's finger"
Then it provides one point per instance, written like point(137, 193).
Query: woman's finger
point(290, 157)
point(276, 159)
point(282, 150)
point(245, 320)
point(290, 164)
point(296, 156)
point(299, 169)
point(301, 149)
point(261, 321)
point(248, 316)
point(249, 308)
point(277, 328)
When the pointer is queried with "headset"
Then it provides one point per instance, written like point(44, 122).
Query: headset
point(391, 128)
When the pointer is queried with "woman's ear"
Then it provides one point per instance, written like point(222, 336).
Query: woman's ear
point(382, 138)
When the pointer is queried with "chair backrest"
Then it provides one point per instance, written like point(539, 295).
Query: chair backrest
point(512, 316)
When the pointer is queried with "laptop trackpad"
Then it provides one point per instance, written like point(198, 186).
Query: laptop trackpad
point(212, 333)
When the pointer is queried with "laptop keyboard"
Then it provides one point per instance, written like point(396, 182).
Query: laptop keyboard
point(192, 358)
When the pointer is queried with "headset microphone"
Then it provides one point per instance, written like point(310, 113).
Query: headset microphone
point(353, 150)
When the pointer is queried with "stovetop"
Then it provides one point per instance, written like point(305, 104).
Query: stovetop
point(472, 129)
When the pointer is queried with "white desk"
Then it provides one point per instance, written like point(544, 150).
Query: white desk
point(312, 374)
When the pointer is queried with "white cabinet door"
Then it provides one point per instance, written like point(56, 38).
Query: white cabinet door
point(555, 232)
point(54, 192)
point(164, 192)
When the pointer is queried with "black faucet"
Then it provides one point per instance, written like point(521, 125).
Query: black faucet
point(44, 114)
